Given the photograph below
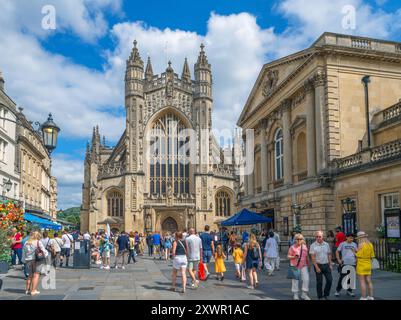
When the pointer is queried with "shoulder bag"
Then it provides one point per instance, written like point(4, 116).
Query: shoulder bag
point(293, 272)
point(39, 254)
point(375, 264)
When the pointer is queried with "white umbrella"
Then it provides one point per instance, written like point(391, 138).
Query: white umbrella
point(108, 230)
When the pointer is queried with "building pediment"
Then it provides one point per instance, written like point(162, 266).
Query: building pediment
point(270, 78)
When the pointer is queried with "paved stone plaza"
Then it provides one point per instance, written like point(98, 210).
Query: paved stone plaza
point(150, 279)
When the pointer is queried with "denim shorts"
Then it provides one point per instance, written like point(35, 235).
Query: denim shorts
point(207, 255)
point(65, 252)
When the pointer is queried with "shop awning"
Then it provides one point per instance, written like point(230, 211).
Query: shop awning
point(43, 223)
point(245, 217)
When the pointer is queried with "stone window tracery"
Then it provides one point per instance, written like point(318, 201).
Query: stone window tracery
point(168, 162)
point(223, 204)
point(115, 204)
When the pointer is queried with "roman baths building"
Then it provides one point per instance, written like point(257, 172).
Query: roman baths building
point(327, 147)
point(167, 171)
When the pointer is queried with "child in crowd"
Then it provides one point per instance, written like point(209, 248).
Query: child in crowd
point(105, 252)
point(238, 256)
point(219, 265)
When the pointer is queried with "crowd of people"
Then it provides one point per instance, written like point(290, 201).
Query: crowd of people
point(188, 249)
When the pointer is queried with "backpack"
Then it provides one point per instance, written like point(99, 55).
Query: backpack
point(255, 253)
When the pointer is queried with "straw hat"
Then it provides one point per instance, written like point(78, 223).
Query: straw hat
point(361, 234)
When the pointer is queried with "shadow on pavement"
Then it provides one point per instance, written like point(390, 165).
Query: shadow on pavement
point(18, 291)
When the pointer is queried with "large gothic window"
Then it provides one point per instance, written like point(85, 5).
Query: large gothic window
point(115, 204)
point(169, 168)
point(223, 204)
point(278, 154)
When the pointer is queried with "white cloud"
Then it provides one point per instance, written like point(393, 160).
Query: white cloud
point(85, 18)
point(309, 19)
point(69, 173)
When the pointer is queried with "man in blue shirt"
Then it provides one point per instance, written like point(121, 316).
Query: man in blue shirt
point(156, 244)
point(123, 249)
point(208, 248)
point(245, 237)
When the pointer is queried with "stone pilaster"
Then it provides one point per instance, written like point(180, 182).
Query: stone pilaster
point(310, 128)
point(264, 157)
point(286, 109)
point(319, 82)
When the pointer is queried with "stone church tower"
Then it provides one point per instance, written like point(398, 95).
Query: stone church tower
point(166, 172)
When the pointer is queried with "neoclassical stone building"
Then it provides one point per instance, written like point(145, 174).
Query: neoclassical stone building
point(144, 182)
point(311, 135)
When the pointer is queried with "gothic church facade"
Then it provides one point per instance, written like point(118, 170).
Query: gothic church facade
point(151, 180)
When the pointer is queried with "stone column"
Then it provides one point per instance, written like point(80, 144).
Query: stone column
point(310, 128)
point(287, 141)
point(245, 185)
point(250, 184)
point(264, 158)
point(319, 81)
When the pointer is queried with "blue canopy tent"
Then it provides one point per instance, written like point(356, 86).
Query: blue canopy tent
point(43, 223)
point(245, 217)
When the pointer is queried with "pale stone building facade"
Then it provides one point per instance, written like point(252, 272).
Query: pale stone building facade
point(34, 165)
point(8, 145)
point(24, 160)
point(311, 147)
point(142, 183)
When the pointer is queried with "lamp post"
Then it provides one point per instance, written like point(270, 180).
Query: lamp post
point(296, 210)
point(349, 223)
point(7, 184)
point(49, 132)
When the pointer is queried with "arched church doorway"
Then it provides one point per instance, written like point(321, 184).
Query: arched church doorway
point(169, 225)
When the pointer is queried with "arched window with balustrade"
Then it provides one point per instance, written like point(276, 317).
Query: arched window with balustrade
point(115, 204)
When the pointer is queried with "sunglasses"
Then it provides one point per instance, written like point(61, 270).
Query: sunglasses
point(319, 237)
point(298, 239)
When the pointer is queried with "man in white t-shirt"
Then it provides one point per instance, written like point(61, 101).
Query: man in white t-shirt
point(87, 236)
point(320, 252)
point(194, 252)
point(67, 241)
point(56, 244)
point(277, 238)
point(271, 253)
point(345, 255)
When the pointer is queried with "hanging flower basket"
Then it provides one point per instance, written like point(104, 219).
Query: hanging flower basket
point(11, 216)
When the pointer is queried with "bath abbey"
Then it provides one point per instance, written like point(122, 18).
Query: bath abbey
point(167, 171)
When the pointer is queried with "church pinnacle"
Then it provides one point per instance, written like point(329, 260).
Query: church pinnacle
point(149, 70)
point(186, 74)
point(135, 58)
point(202, 59)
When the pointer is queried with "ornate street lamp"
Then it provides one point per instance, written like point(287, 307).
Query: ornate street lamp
point(6, 186)
point(349, 223)
point(296, 211)
point(49, 130)
point(49, 133)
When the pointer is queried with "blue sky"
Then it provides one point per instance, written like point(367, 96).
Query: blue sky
point(76, 71)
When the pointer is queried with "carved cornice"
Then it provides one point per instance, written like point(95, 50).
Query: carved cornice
point(285, 105)
point(319, 78)
point(308, 85)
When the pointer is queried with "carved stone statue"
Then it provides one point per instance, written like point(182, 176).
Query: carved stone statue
point(270, 82)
